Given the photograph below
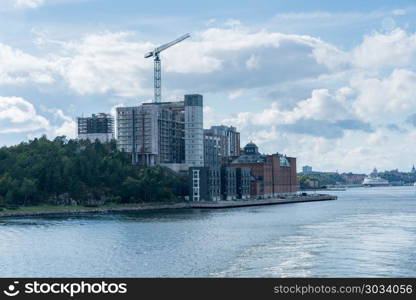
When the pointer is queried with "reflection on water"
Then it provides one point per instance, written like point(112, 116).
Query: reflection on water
point(366, 232)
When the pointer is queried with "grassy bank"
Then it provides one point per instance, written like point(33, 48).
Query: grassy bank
point(56, 209)
point(41, 208)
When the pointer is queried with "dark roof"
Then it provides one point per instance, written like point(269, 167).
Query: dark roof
point(249, 159)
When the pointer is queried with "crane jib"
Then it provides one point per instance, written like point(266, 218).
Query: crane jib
point(157, 67)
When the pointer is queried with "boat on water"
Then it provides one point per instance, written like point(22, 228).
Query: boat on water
point(374, 180)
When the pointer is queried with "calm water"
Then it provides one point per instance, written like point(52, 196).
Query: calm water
point(366, 232)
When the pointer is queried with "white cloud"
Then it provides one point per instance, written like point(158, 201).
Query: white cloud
point(399, 12)
point(233, 23)
point(215, 59)
point(18, 115)
point(377, 139)
point(67, 126)
point(102, 63)
point(322, 105)
point(9, 5)
point(28, 3)
point(253, 62)
point(235, 94)
point(18, 67)
point(210, 117)
point(390, 98)
point(393, 49)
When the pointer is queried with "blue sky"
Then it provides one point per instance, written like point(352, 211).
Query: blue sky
point(330, 82)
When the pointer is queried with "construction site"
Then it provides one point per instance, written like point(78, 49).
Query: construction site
point(171, 134)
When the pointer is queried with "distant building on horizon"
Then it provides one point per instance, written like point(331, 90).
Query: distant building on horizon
point(97, 127)
point(306, 169)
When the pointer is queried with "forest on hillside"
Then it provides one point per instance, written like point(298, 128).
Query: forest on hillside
point(73, 172)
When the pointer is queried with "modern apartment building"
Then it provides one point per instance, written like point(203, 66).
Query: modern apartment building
point(194, 131)
point(229, 140)
point(153, 132)
point(163, 133)
point(212, 149)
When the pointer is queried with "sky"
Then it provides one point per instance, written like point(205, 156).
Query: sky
point(332, 83)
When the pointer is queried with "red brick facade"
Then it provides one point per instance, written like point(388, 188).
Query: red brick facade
point(270, 177)
point(284, 177)
point(262, 173)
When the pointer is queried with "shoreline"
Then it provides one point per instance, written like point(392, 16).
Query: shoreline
point(262, 202)
point(91, 210)
point(162, 206)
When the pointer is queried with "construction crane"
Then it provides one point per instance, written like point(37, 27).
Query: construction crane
point(158, 76)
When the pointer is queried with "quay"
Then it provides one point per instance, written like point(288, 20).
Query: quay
point(259, 202)
point(164, 206)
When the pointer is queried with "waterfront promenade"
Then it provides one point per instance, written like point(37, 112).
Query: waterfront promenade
point(165, 206)
point(271, 201)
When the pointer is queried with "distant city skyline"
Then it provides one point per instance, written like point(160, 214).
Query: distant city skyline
point(333, 84)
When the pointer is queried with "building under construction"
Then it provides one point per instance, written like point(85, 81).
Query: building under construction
point(163, 132)
point(97, 127)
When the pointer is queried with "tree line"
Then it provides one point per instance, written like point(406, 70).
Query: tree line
point(323, 179)
point(80, 172)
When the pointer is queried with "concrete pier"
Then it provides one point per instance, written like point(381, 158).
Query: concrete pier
point(272, 201)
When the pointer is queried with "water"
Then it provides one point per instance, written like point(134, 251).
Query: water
point(366, 232)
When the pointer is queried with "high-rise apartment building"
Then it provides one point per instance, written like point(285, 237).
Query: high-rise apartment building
point(212, 150)
point(194, 131)
point(167, 133)
point(97, 127)
point(152, 132)
point(229, 140)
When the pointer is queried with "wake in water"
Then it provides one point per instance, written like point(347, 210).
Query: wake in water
point(360, 245)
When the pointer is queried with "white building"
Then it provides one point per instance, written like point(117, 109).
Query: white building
point(194, 131)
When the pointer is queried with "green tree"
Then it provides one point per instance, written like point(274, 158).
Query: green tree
point(43, 171)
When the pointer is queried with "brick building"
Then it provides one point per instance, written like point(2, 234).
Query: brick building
point(284, 175)
point(271, 174)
